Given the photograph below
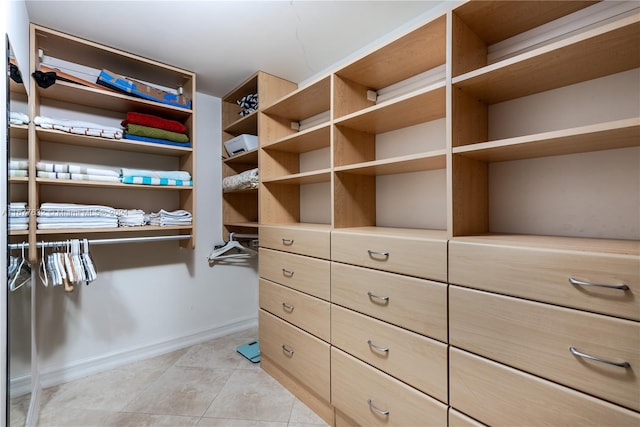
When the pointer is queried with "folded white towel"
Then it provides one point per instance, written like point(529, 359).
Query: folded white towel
point(52, 167)
point(85, 177)
point(18, 226)
point(92, 171)
point(79, 127)
point(17, 164)
point(16, 118)
point(178, 175)
point(18, 172)
point(18, 220)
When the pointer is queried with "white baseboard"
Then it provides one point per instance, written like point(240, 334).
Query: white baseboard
point(53, 377)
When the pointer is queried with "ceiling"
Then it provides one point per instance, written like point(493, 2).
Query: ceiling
point(225, 42)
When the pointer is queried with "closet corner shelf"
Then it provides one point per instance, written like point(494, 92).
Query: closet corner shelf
point(417, 107)
point(60, 137)
point(113, 101)
point(19, 131)
point(305, 102)
point(310, 139)
point(140, 229)
point(249, 157)
point(118, 185)
point(313, 177)
point(411, 163)
point(560, 243)
point(614, 47)
point(601, 136)
point(247, 124)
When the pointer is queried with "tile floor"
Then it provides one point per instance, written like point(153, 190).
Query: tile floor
point(208, 384)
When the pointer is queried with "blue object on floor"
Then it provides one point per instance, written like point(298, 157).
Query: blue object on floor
point(250, 350)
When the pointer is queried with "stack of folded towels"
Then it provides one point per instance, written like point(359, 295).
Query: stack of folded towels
point(167, 218)
point(18, 216)
point(75, 172)
point(18, 168)
point(155, 177)
point(131, 218)
point(150, 128)
point(16, 118)
point(71, 215)
point(78, 127)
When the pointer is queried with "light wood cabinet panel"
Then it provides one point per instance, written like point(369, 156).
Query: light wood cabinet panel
point(415, 304)
point(543, 273)
point(537, 337)
point(302, 355)
point(304, 311)
point(354, 384)
point(308, 240)
point(501, 396)
point(458, 419)
point(419, 253)
point(407, 356)
point(309, 275)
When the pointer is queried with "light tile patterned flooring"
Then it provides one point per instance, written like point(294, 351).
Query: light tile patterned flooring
point(208, 384)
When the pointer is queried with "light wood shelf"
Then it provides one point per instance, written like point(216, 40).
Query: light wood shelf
point(18, 232)
point(304, 103)
point(310, 139)
point(242, 224)
point(313, 177)
point(253, 191)
point(19, 131)
point(118, 185)
point(248, 157)
point(140, 229)
point(404, 164)
point(18, 180)
point(247, 124)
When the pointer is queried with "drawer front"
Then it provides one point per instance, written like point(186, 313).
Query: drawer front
point(458, 419)
point(415, 304)
point(412, 358)
point(304, 356)
point(536, 338)
point(543, 275)
point(415, 257)
point(309, 275)
point(311, 242)
point(354, 383)
point(501, 396)
point(306, 312)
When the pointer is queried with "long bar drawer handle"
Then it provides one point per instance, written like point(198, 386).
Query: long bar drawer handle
point(287, 242)
point(597, 359)
point(375, 347)
point(599, 285)
point(378, 410)
point(373, 254)
point(372, 295)
point(287, 273)
point(287, 307)
point(287, 350)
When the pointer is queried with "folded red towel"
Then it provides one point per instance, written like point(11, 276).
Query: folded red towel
point(154, 122)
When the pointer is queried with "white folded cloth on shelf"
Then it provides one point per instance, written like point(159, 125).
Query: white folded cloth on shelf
point(17, 164)
point(92, 171)
point(18, 220)
point(85, 177)
point(242, 181)
point(79, 127)
point(166, 218)
point(177, 175)
point(18, 172)
point(131, 218)
point(18, 205)
point(16, 118)
point(53, 175)
point(52, 167)
point(76, 210)
point(18, 226)
point(93, 224)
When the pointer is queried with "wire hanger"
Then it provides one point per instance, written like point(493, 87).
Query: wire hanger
point(241, 251)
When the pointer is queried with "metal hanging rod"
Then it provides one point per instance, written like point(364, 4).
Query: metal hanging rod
point(233, 236)
point(102, 241)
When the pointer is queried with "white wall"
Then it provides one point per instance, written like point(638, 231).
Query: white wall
point(150, 298)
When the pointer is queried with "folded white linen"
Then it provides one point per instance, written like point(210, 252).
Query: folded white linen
point(85, 177)
point(18, 164)
point(74, 219)
point(92, 171)
point(18, 220)
point(79, 127)
point(16, 118)
point(49, 226)
point(13, 205)
point(18, 172)
point(178, 175)
point(77, 210)
point(18, 226)
point(53, 175)
point(52, 167)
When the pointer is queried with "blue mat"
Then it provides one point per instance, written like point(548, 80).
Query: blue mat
point(250, 350)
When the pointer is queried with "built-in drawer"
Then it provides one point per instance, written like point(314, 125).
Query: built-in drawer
point(410, 252)
point(545, 340)
point(309, 275)
point(501, 396)
point(419, 361)
point(302, 355)
point(546, 275)
point(306, 312)
point(458, 419)
point(311, 240)
point(416, 304)
point(372, 398)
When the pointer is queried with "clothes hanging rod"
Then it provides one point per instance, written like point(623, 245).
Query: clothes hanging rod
point(102, 241)
point(242, 236)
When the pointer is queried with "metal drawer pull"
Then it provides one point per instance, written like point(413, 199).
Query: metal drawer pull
point(599, 285)
point(287, 307)
point(378, 410)
point(375, 347)
point(372, 295)
point(287, 242)
point(373, 254)
point(287, 273)
point(287, 350)
point(597, 359)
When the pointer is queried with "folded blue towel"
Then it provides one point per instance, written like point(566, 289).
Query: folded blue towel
point(156, 140)
point(147, 180)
